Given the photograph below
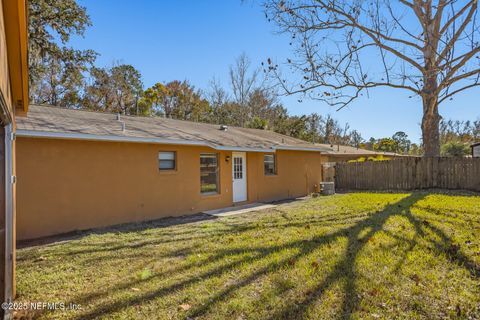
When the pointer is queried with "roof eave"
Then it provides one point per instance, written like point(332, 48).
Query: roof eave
point(116, 138)
point(95, 137)
point(15, 19)
point(242, 149)
point(289, 148)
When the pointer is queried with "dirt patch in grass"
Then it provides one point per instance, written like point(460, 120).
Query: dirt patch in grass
point(358, 255)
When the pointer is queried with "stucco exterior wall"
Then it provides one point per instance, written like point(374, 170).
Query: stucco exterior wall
point(297, 174)
point(66, 185)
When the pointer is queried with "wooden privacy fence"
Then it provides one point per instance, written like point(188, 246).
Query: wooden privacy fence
point(409, 174)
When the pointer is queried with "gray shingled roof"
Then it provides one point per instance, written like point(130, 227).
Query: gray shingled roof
point(57, 122)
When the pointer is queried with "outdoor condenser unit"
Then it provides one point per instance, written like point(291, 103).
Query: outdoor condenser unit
point(327, 188)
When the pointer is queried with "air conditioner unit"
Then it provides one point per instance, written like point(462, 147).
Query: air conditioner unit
point(327, 188)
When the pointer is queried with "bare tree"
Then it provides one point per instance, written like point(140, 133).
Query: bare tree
point(216, 94)
point(343, 48)
point(243, 81)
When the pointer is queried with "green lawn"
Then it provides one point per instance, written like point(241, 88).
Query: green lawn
point(358, 255)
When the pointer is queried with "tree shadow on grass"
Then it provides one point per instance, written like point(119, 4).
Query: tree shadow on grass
point(120, 228)
point(446, 245)
point(165, 237)
point(357, 236)
point(344, 268)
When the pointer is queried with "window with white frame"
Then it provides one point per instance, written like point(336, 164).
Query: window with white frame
point(167, 160)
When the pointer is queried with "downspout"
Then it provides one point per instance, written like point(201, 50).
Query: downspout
point(10, 180)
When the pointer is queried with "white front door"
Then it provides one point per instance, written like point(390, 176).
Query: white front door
point(239, 173)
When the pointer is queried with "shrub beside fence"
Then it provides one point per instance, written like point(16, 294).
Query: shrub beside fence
point(409, 174)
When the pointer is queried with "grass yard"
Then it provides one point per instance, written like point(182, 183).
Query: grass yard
point(358, 255)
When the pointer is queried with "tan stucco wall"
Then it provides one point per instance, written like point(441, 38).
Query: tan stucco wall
point(297, 174)
point(66, 185)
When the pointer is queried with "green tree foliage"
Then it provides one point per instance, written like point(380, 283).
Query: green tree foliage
point(177, 100)
point(117, 89)
point(261, 104)
point(313, 127)
point(257, 123)
point(455, 149)
point(398, 143)
point(415, 150)
point(385, 145)
point(293, 126)
point(62, 79)
point(153, 98)
point(127, 88)
point(402, 142)
point(99, 94)
point(56, 71)
point(227, 113)
point(456, 136)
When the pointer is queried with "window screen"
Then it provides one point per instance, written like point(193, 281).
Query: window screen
point(167, 160)
point(209, 173)
point(269, 164)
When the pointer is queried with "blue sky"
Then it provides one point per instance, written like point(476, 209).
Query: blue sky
point(198, 40)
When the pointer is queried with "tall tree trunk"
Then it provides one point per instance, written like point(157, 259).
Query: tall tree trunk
point(430, 126)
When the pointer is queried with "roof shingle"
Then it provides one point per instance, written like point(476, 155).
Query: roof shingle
point(57, 121)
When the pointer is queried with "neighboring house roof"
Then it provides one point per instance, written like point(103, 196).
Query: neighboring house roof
point(475, 144)
point(61, 123)
point(340, 150)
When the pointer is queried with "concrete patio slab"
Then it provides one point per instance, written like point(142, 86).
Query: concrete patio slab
point(230, 211)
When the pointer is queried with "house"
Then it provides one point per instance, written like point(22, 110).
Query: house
point(81, 169)
point(13, 101)
point(475, 150)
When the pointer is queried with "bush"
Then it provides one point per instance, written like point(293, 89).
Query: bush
point(455, 149)
point(371, 158)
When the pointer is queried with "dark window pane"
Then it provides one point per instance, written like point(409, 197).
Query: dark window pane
point(269, 164)
point(167, 165)
point(209, 173)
